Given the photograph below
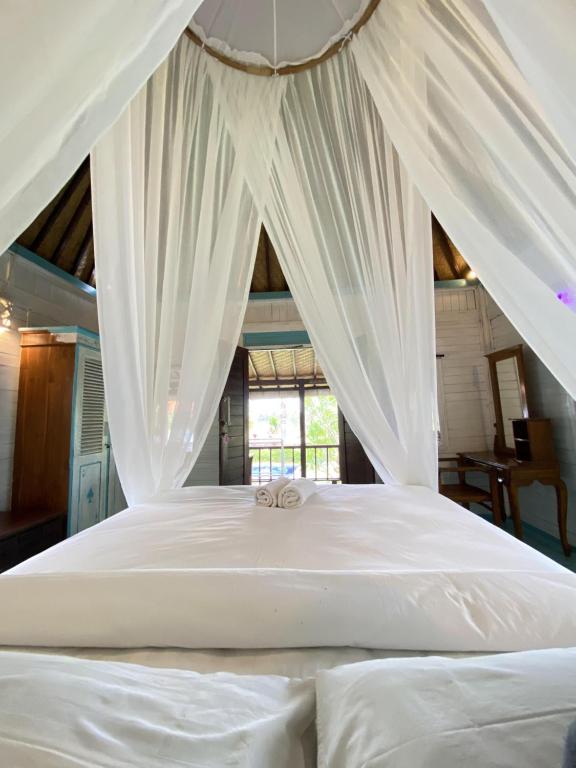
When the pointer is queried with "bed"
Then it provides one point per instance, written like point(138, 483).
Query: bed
point(374, 567)
point(215, 584)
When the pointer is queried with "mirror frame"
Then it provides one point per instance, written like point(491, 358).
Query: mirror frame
point(493, 358)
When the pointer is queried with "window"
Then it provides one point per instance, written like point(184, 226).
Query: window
point(294, 432)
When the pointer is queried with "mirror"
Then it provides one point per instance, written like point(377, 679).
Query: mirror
point(509, 392)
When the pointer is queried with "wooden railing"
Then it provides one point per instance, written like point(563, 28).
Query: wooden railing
point(317, 462)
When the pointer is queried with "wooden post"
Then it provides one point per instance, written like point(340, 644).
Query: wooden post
point(302, 429)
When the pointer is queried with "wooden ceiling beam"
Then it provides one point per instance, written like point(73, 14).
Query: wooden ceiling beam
point(287, 383)
point(61, 204)
point(267, 257)
point(272, 363)
point(71, 226)
point(80, 261)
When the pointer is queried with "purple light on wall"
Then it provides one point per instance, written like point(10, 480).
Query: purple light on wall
point(566, 297)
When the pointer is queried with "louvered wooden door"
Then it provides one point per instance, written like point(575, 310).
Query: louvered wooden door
point(355, 466)
point(233, 423)
point(88, 482)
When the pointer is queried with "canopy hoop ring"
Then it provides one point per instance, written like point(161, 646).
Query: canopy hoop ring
point(289, 69)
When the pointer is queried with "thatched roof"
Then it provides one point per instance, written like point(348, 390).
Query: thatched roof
point(62, 234)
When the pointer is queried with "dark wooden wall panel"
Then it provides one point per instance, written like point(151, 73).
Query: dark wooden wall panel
point(355, 466)
point(234, 437)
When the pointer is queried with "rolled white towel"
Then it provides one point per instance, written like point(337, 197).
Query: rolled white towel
point(267, 495)
point(296, 493)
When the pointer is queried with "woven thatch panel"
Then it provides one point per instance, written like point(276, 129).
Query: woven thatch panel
point(284, 364)
point(62, 234)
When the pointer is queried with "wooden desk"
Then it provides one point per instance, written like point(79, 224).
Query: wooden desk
point(514, 474)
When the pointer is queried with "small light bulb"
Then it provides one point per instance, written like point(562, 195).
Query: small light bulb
point(471, 275)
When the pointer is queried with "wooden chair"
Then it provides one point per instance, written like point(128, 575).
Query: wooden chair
point(465, 493)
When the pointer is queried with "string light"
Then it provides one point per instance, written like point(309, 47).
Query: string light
point(6, 309)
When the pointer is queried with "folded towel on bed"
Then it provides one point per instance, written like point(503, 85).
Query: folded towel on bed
point(296, 493)
point(267, 495)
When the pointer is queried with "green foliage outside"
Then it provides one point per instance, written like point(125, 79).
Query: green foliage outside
point(321, 414)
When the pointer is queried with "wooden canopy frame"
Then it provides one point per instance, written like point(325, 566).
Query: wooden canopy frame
point(289, 69)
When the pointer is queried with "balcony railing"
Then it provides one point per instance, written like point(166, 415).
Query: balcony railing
point(317, 462)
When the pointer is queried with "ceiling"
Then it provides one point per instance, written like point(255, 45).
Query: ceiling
point(62, 234)
point(274, 367)
point(275, 33)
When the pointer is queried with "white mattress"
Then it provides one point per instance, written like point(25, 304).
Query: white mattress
point(363, 566)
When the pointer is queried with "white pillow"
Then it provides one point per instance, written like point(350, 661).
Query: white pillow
point(61, 712)
point(505, 711)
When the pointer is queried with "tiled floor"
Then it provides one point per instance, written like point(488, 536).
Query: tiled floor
point(546, 544)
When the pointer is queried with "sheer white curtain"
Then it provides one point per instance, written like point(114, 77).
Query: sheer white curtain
point(175, 234)
point(68, 70)
point(541, 38)
point(473, 138)
point(353, 238)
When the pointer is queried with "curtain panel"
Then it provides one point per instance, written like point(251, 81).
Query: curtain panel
point(354, 241)
point(175, 240)
point(68, 70)
point(541, 39)
point(474, 139)
point(432, 105)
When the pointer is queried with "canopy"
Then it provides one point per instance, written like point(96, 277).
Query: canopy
point(418, 105)
point(276, 33)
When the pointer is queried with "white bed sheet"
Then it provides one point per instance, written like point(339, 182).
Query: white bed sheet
point(297, 663)
point(509, 711)
point(363, 566)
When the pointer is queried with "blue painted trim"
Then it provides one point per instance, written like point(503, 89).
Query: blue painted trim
point(49, 267)
point(276, 339)
point(269, 295)
point(444, 284)
point(67, 329)
point(451, 284)
point(90, 464)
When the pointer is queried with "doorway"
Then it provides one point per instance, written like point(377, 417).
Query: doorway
point(293, 418)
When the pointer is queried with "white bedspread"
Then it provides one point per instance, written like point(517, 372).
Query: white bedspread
point(363, 566)
point(58, 712)
point(506, 711)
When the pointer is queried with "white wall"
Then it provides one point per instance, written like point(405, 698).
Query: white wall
point(465, 401)
point(271, 315)
point(546, 398)
point(29, 296)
